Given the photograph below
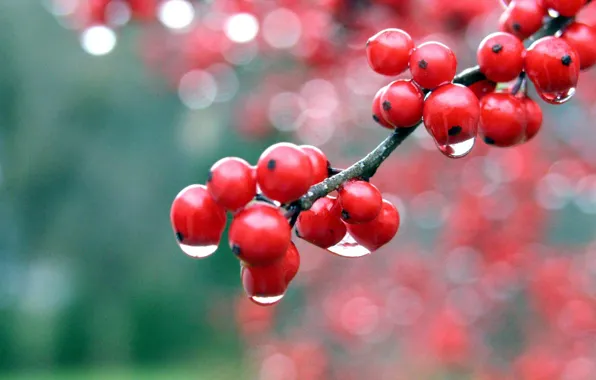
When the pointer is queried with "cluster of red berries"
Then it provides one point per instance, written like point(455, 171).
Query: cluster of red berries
point(260, 232)
point(454, 114)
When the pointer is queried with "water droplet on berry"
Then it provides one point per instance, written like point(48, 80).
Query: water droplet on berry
point(459, 149)
point(348, 247)
point(198, 252)
point(266, 301)
point(557, 97)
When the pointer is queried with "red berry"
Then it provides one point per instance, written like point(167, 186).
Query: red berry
point(378, 232)
point(522, 18)
point(500, 56)
point(552, 65)
point(533, 117)
point(377, 109)
point(318, 163)
point(196, 218)
point(259, 234)
point(502, 120)
point(360, 202)
point(567, 8)
point(432, 64)
point(483, 87)
point(402, 103)
point(582, 38)
point(291, 263)
point(321, 225)
point(451, 115)
point(265, 285)
point(284, 172)
point(388, 51)
point(232, 183)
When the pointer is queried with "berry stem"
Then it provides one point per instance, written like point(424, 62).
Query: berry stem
point(368, 165)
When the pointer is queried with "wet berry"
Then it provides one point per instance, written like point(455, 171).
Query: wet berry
point(533, 117)
point(259, 234)
point(500, 56)
point(378, 232)
point(321, 225)
point(502, 120)
point(388, 51)
point(264, 284)
point(451, 115)
point(567, 8)
point(377, 108)
point(522, 18)
point(432, 64)
point(360, 202)
point(284, 172)
point(402, 103)
point(196, 218)
point(318, 163)
point(582, 38)
point(552, 65)
point(232, 183)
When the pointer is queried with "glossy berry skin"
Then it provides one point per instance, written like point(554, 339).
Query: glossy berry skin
point(402, 103)
point(321, 225)
point(502, 120)
point(196, 218)
point(482, 88)
point(360, 202)
point(533, 117)
point(500, 56)
point(567, 8)
point(318, 163)
point(388, 51)
point(432, 64)
point(378, 232)
point(522, 18)
point(284, 172)
point(232, 183)
point(451, 114)
point(291, 263)
point(259, 234)
point(552, 65)
point(377, 109)
point(582, 38)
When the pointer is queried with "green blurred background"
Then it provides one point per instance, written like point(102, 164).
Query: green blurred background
point(92, 151)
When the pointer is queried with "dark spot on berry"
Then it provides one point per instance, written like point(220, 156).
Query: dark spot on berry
point(516, 26)
point(236, 250)
point(376, 118)
point(422, 64)
point(497, 48)
point(345, 215)
point(179, 237)
point(386, 105)
point(566, 60)
point(489, 141)
point(454, 131)
point(209, 176)
point(271, 164)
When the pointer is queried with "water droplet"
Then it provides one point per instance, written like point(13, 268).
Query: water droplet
point(266, 301)
point(348, 247)
point(557, 97)
point(459, 149)
point(198, 252)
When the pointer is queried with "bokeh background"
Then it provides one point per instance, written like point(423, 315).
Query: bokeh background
point(492, 275)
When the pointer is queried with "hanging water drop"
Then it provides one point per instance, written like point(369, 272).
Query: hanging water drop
point(266, 300)
point(198, 252)
point(459, 149)
point(348, 247)
point(557, 97)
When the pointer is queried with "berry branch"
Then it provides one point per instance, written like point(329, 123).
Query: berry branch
point(368, 165)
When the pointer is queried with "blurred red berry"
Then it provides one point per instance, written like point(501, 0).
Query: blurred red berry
point(567, 8)
point(483, 87)
point(388, 51)
point(522, 18)
point(379, 231)
point(377, 109)
point(533, 117)
point(432, 64)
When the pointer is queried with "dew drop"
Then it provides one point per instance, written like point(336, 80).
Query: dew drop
point(266, 301)
point(348, 247)
point(198, 252)
point(557, 97)
point(459, 149)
